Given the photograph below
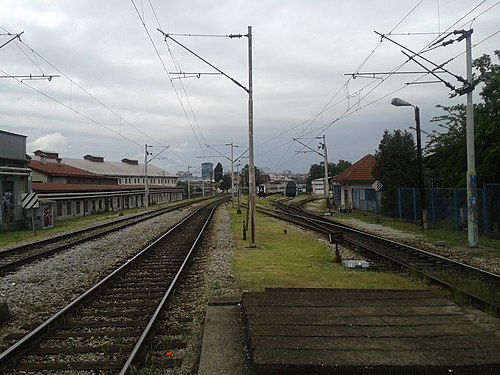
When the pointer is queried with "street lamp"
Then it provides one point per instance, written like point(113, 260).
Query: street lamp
point(403, 103)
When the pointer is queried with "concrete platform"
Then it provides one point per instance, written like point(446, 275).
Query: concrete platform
point(335, 331)
point(223, 349)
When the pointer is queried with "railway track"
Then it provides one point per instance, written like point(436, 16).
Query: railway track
point(13, 258)
point(109, 327)
point(453, 275)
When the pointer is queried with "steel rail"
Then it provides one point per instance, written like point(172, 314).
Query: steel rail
point(112, 226)
point(22, 346)
point(49, 240)
point(487, 276)
point(148, 333)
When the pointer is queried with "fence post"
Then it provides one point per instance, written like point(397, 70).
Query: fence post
point(399, 203)
point(433, 208)
point(455, 205)
point(484, 209)
point(414, 205)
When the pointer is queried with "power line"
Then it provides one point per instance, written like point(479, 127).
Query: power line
point(72, 109)
point(72, 82)
point(143, 22)
point(361, 98)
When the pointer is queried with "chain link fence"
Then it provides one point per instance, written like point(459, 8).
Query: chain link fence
point(449, 207)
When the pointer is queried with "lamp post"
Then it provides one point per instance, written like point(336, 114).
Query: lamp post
point(423, 213)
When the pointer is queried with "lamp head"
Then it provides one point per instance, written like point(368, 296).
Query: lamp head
point(400, 103)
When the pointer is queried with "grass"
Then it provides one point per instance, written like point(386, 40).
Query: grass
point(440, 232)
point(297, 260)
point(8, 238)
point(11, 238)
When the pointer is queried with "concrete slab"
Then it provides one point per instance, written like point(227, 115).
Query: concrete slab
point(298, 331)
point(223, 349)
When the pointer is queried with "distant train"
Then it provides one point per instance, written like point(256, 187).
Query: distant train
point(288, 189)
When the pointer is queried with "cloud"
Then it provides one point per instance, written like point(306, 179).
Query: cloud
point(113, 93)
point(50, 142)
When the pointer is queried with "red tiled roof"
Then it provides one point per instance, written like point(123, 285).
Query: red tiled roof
point(43, 187)
point(56, 169)
point(359, 171)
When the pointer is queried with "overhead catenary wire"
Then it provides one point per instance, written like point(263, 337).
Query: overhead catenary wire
point(37, 56)
point(363, 63)
point(143, 22)
point(362, 97)
point(72, 109)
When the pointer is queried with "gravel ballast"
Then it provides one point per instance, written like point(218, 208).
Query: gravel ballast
point(36, 291)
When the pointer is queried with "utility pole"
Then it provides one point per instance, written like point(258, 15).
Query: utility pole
point(249, 91)
point(232, 174)
point(251, 171)
point(326, 184)
point(467, 88)
point(188, 178)
point(146, 182)
point(146, 161)
point(232, 160)
point(238, 211)
point(472, 228)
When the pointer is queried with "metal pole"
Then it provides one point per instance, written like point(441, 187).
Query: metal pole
point(189, 189)
point(32, 210)
point(326, 186)
point(423, 212)
point(472, 228)
point(238, 211)
point(146, 184)
point(251, 172)
point(232, 175)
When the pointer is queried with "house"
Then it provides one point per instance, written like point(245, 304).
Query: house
point(355, 182)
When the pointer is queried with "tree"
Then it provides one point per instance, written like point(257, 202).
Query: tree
point(447, 152)
point(184, 185)
point(396, 166)
point(318, 170)
point(225, 183)
point(218, 172)
point(244, 175)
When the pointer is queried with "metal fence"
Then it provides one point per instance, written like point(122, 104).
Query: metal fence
point(450, 206)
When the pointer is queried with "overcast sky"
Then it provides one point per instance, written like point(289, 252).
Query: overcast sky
point(116, 90)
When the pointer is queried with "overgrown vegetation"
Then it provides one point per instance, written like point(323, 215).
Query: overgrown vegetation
point(446, 150)
point(297, 260)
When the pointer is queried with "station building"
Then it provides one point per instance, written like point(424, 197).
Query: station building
point(68, 188)
point(355, 186)
point(79, 187)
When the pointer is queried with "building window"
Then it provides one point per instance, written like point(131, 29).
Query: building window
point(68, 208)
point(59, 208)
point(77, 207)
